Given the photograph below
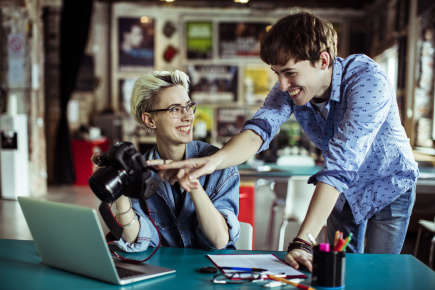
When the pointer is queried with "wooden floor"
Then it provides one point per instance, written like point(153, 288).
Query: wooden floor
point(12, 223)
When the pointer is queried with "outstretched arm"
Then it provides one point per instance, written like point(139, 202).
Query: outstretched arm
point(238, 150)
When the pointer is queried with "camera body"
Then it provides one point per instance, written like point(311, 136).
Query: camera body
point(122, 170)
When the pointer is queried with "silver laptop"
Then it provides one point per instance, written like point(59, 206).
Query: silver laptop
point(70, 237)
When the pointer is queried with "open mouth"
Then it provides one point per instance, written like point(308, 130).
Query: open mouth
point(184, 129)
point(294, 92)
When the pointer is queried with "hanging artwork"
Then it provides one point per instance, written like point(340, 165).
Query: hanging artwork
point(213, 83)
point(135, 42)
point(199, 40)
point(241, 39)
point(169, 29)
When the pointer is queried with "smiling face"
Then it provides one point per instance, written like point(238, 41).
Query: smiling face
point(171, 131)
point(303, 80)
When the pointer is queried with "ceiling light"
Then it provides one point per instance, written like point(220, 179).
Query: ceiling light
point(241, 1)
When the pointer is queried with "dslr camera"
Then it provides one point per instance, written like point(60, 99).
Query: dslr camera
point(122, 170)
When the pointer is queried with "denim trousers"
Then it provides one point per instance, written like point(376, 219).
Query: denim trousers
point(383, 233)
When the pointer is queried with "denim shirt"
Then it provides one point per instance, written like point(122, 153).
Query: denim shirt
point(368, 157)
point(182, 229)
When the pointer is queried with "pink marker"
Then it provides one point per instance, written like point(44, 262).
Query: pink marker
point(324, 247)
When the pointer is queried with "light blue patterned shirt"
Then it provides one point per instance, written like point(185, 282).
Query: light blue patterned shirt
point(179, 227)
point(368, 157)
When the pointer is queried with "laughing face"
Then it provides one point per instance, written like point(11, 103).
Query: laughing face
point(303, 80)
point(172, 129)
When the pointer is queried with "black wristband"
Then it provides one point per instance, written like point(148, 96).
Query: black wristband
point(301, 246)
point(302, 241)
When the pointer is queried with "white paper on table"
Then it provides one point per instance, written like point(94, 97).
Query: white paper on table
point(270, 262)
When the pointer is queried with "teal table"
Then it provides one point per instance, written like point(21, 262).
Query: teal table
point(21, 268)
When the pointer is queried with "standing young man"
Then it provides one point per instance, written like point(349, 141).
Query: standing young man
point(349, 110)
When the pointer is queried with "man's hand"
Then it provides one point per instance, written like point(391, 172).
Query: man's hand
point(186, 172)
point(296, 256)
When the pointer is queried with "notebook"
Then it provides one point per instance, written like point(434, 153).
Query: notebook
point(70, 237)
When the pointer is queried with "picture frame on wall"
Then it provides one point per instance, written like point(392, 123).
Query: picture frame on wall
point(125, 86)
point(241, 39)
point(199, 40)
point(135, 42)
point(213, 84)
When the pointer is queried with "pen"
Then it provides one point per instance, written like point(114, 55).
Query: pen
point(294, 284)
point(339, 245)
point(346, 242)
point(244, 269)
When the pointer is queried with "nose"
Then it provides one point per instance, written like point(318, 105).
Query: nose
point(284, 83)
point(186, 114)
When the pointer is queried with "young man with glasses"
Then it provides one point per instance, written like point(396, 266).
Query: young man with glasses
point(204, 217)
point(349, 110)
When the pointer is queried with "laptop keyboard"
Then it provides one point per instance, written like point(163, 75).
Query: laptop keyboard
point(126, 273)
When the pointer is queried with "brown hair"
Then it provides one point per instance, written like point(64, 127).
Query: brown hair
point(301, 36)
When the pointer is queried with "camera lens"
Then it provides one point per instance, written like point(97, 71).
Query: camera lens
point(107, 183)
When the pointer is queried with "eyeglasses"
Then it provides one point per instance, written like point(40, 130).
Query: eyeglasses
point(237, 278)
point(177, 111)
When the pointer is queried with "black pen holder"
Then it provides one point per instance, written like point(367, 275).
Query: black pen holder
point(328, 268)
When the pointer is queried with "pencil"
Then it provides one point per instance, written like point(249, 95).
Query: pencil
point(297, 285)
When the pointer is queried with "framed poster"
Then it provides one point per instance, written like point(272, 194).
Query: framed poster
point(213, 83)
point(229, 121)
point(257, 81)
point(199, 40)
point(241, 39)
point(125, 89)
point(135, 42)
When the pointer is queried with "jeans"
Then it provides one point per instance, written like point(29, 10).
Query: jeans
point(383, 233)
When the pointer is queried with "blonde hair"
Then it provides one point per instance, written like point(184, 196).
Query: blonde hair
point(301, 36)
point(148, 86)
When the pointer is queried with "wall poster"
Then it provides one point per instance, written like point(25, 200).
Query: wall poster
point(241, 39)
point(213, 83)
point(199, 40)
point(135, 42)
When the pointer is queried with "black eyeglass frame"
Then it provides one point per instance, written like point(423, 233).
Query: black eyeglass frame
point(170, 108)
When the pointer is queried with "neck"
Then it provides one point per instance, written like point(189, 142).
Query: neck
point(171, 152)
point(326, 88)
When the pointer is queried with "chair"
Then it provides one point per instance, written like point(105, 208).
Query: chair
point(245, 238)
point(295, 205)
point(428, 226)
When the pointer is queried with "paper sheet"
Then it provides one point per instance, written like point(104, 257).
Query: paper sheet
point(265, 261)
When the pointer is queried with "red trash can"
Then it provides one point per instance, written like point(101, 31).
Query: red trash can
point(82, 151)
point(247, 205)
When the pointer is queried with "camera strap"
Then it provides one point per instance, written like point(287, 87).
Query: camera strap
point(114, 227)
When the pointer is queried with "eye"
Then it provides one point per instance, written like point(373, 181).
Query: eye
point(289, 74)
point(175, 109)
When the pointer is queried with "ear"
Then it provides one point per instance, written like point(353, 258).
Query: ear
point(148, 120)
point(325, 60)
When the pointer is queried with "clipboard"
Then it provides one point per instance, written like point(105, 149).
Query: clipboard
point(270, 262)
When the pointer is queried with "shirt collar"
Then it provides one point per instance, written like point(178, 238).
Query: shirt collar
point(337, 72)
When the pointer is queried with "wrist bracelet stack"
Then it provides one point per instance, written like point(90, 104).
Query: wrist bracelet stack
point(301, 244)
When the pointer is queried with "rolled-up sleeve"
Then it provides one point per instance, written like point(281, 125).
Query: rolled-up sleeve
point(225, 198)
point(369, 101)
point(147, 236)
point(269, 118)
